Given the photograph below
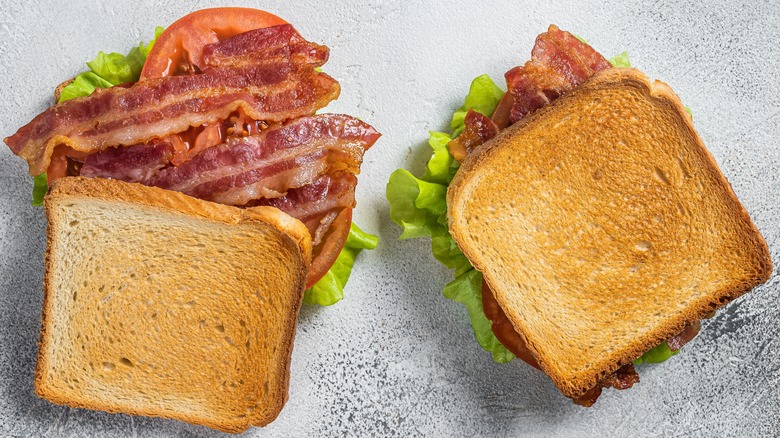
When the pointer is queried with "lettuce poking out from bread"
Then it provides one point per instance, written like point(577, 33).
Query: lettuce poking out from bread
point(330, 289)
point(109, 69)
point(419, 206)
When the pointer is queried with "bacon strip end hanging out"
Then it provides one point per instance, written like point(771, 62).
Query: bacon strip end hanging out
point(559, 62)
point(479, 129)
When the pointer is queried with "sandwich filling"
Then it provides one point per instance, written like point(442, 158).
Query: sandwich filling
point(559, 63)
point(233, 123)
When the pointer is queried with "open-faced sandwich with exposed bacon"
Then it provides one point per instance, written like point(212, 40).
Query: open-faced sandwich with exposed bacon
point(589, 228)
point(195, 198)
point(223, 109)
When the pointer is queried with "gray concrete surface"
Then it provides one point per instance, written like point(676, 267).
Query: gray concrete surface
point(395, 358)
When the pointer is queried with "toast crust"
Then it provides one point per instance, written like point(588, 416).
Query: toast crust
point(175, 202)
point(293, 231)
point(476, 170)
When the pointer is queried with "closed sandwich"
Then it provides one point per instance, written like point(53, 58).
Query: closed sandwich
point(603, 227)
point(589, 227)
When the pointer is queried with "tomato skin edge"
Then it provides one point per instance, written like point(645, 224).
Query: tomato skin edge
point(502, 328)
point(187, 36)
point(336, 238)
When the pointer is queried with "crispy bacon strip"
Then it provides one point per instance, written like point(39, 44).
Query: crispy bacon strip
point(559, 62)
point(131, 163)
point(319, 203)
point(479, 129)
point(276, 82)
point(503, 329)
point(276, 42)
point(623, 378)
point(501, 115)
point(265, 165)
point(690, 331)
point(268, 164)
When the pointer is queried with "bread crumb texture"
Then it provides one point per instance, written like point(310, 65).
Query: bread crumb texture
point(153, 311)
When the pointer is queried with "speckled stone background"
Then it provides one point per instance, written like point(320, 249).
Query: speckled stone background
point(395, 358)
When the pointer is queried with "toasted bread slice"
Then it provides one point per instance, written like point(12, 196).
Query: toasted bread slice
point(164, 305)
point(604, 226)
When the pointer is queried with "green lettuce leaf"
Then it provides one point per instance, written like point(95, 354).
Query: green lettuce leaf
point(441, 167)
point(117, 68)
point(419, 206)
point(483, 98)
point(446, 251)
point(109, 69)
point(657, 354)
point(467, 290)
point(40, 186)
point(621, 60)
point(330, 289)
point(83, 85)
point(417, 217)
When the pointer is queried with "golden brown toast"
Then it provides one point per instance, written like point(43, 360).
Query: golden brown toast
point(604, 226)
point(164, 305)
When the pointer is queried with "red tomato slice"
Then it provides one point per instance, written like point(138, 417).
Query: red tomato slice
point(325, 254)
point(65, 161)
point(180, 47)
point(178, 51)
point(503, 328)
